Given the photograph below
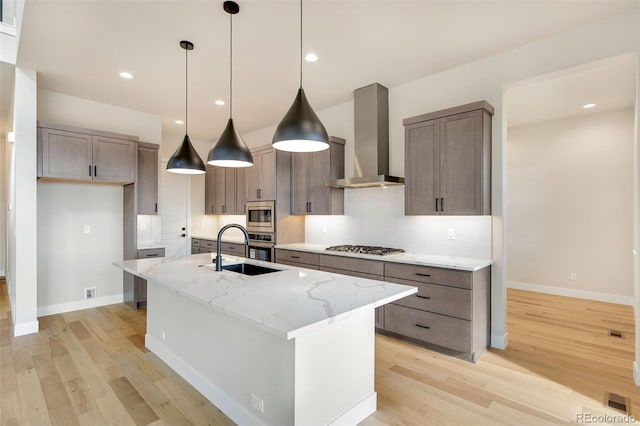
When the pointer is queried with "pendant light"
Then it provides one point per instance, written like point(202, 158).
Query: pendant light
point(300, 130)
point(186, 160)
point(230, 150)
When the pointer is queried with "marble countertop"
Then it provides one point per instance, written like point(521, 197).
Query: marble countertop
point(450, 262)
point(145, 246)
point(225, 239)
point(288, 303)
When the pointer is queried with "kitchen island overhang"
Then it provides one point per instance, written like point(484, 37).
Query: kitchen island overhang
point(290, 347)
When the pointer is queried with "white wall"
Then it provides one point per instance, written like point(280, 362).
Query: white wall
point(22, 224)
point(375, 216)
point(570, 204)
point(68, 260)
point(487, 79)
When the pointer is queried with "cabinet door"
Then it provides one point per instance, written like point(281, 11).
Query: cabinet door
point(209, 190)
point(241, 190)
point(268, 174)
point(66, 154)
point(252, 178)
point(319, 173)
point(229, 191)
point(219, 191)
point(461, 163)
point(113, 160)
point(300, 182)
point(422, 166)
point(147, 184)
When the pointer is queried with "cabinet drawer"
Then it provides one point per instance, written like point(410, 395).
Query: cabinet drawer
point(438, 329)
point(297, 257)
point(351, 264)
point(297, 264)
point(155, 252)
point(451, 301)
point(195, 242)
point(232, 248)
point(351, 273)
point(208, 244)
point(428, 274)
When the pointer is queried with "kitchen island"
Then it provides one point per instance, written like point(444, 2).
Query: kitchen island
point(291, 347)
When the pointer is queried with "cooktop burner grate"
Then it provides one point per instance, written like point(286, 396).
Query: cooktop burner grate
point(375, 250)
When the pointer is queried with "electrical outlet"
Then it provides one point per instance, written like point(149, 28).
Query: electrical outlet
point(574, 276)
point(90, 293)
point(257, 403)
point(324, 229)
point(86, 229)
point(164, 336)
point(451, 234)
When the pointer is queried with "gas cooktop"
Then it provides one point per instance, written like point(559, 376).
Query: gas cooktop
point(375, 250)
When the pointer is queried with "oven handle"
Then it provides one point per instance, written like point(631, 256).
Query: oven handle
point(260, 244)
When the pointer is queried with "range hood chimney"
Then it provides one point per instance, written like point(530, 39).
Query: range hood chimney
point(371, 125)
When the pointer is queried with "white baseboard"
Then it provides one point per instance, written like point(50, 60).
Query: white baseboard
point(500, 341)
point(78, 305)
point(636, 373)
point(570, 292)
point(24, 328)
point(213, 393)
point(358, 412)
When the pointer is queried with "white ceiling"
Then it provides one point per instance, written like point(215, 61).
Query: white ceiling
point(79, 47)
point(610, 84)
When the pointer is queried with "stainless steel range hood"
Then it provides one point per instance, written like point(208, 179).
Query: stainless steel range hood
point(371, 125)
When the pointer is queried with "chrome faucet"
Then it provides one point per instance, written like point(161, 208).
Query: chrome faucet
point(219, 240)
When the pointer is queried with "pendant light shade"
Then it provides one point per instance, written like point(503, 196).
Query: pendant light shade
point(230, 150)
point(300, 130)
point(186, 160)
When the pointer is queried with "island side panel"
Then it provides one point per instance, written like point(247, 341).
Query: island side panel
point(335, 371)
point(227, 360)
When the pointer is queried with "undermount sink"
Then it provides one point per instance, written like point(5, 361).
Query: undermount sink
point(249, 269)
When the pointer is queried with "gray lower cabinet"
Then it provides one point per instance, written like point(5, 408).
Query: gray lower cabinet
point(147, 182)
point(201, 245)
point(310, 172)
point(71, 153)
point(450, 311)
point(448, 161)
point(138, 297)
point(301, 259)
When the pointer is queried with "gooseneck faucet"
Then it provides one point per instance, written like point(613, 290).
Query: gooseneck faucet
point(219, 240)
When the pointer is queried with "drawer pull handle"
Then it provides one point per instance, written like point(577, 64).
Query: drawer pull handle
point(423, 297)
point(423, 326)
point(151, 255)
point(295, 257)
point(423, 275)
point(231, 248)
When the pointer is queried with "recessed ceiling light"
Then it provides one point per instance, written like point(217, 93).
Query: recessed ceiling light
point(311, 57)
point(126, 75)
point(587, 106)
point(219, 102)
point(179, 122)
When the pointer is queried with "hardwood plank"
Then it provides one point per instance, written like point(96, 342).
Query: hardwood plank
point(136, 406)
point(33, 407)
point(10, 414)
point(79, 330)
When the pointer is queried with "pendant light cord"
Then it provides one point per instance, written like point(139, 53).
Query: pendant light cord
point(230, 65)
point(186, 91)
point(301, 44)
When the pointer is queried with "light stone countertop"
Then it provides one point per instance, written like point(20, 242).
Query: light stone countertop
point(450, 262)
point(288, 303)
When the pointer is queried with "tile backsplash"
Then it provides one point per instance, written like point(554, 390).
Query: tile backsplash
point(149, 229)
point(375, 216)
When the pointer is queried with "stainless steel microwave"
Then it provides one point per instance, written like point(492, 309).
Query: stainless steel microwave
point(261, 216)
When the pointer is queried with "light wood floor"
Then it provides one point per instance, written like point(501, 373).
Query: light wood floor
point(90, 367)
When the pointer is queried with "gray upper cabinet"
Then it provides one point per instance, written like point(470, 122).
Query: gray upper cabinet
point(448, 161)
point(71, 153)
point(220, 191)
point(147, 183)
point(261, 177)
point(310, 172)
point(241, 190)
